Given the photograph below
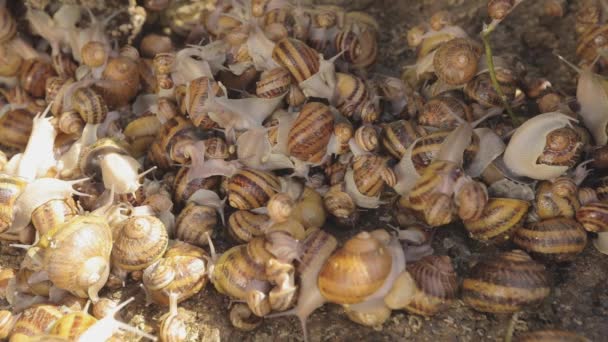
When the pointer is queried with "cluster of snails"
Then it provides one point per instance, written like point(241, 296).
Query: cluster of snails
point(121, 165)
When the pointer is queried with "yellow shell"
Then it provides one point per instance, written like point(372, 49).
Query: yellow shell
point(72, 325)
point(195, 223)
point(250, 189)
point(183, 275)
point(500, 218)
point(294, 55)
point(140, 241)
point(455, 61)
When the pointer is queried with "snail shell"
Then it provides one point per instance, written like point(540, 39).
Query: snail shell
point(371, 173)
point(90, 105)
point(506, 283)
point(71, 123)
point(174, 134)
point(297, 57)
point(552, 335)
point(10, 189)
point(498, 9)
point(559, 239)
point(80, 268)
point(181, 275)
point(16, 127)
point(355, 271)
point(273, 83)
point(94, 54)
point(366, 138)
point(91, 156)
point(141, 133)
point(195, 223)
point(36, 320)
point(244, 225)
point(500, 219)
point(351, 94)
point(72, 325)
point(398, 135)
point(183, 187)
point(471, 199)
point(427, 148)
point(309, 136)
point(11, 61)
point(140, 242)
point(8, 28)
point(360, 46)
point(153, 44)
point(243, 319)
point(120, 81)
point(196, 98)
point(481, 90)
point(53, 213)
point(33, 75)
point(250, 189)
point(339, 203)
point(455, 61)
point(593, 216)
point(590, 42)
point(544, 147)
point(55, 90)
point(7, 322)
point(280, 207)
point(217, 148)
point(548, 203)
point(436, 285)
point(309, 210)
point(442, 112)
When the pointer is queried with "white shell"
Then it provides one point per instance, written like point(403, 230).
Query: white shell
point(528, 143)
point(591, 94)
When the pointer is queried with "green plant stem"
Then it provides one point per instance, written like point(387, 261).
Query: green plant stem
point(511, 327)
point(485, 36)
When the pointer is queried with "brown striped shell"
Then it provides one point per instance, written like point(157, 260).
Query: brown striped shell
point(55, 89)
point(72, 325)
point(250, 189)
point(551, 335)
point(173, 134)
point(120, 81)
point(500, 219)
point(309, 136)
point(172, 327)
point(355, 271)
point(439, 177)
point(244, 225)
point(557, 239)
point(351, 94)
point(10, 189)
point(506, 283)
point(436, 282)
point(548, 203)
point(398, 135)
point(198, 93)
point(91, 156)
point(93, 54)
point(15, 128)
point(70, 122)
point(140, 241)
point(183, 188)
point(366, 137)
point(427, 148)
point(195, 223)
point(217, 148)
point(481, 90)
point(370, 173)
point(141, 133)
point(593, 217)
point(242, 318)
point(455, 61)
point(33, 75)
point(297, 57)
point(498, 9)
point(182, 275)
point(163, 63)
point(339, 203)
point(590, 42)
point(442, 112)
point(90, 105)
point(36, 320)
point(53, 213)
point(563, 147)
point(360, 46)
point(471, 199)
point(7, 322)
point(273, 83)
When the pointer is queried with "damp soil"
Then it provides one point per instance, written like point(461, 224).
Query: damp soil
point(579, 299)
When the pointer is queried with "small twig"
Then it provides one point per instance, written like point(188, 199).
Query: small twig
point(511, 327)
point(485, 36)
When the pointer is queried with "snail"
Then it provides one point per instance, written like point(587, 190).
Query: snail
point(10, 189)
point(559, 239)
point(552, 202)
point(398, 135)
point(172, 327)
point(295, 56)
point(195, 222)
point(119, 81)
point(594, 216)
point(243, 225)
point(500, 219)
point(273, 83)
point(53, 213)
point(35, 320)
point(506, 283)
point(359, 43)
point(16, 127)
point(440, 111)
point(242, 318)
point(250, 189)
point(498, 9)
point(182, 275)
point(310, 134)
point(556, 147)
point(33, 75)
point(7, 322)
point(455, 61)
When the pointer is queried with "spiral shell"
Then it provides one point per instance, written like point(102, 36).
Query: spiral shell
point(15, 128)
point(295, 56)
point(559, 239)
point(181, 275)
point(250, 189)
point(371, 173)
point(427, 148)
point(244, 225)
point(33, 75)
point(355, 271)
point(153, 44)
point(360, 46)
point(273, 83)
point(309, 136)
point(593, 217)
point(10, 189)
point(500, 219)
point(398, 135)
point(498, 9)
point(90, 105)
point(366, 137)
point(91, 156)
point(120, 81)
point(173, 132)
point(72, 325)
point(53, 213)
point(81, 269)
point(217, 148)
point(243, 319)
point(442, 112)
point(195, 223)
point(437, 285)
point(198, 93)
point(563, 148)
point(36, 320)
point(7, 322)
point(455, 62)
point(506, 283)
point(351, 94)
point(70, 122)
point(141, 133)
point(471, 199)
point(172, 327)
point(339, 204)
point(183, 188)
point(140, 242)
point(94, 54)
point(548, 203)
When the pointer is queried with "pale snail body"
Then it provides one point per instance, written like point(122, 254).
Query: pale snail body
point(528, 144)
point(83, 274)
point(140, 242)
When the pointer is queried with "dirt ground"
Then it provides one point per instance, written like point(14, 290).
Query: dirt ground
point(579, 300)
